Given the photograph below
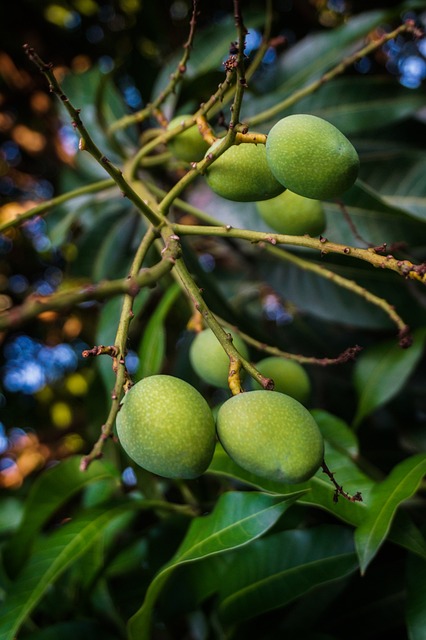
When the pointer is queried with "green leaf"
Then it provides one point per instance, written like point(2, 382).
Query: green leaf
point(51, 556)
point(360, 104)
point(81, 629)
point(416, 598)
point(238, 518)
point(153, 345)
point(319, 489)
point(337, 433)
point(320, 493)
point(50, 491)
point(280, 568)
point(382, 371)
point(383, 502)
point(107, 328)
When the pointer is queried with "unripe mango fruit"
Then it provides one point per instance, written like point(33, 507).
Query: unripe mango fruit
point(209, 359)
point(292, 214)
point(166, 426)
point(289, 377)
point(242, 174)
point(309, 156)
point(188, 145)
point(271, 435)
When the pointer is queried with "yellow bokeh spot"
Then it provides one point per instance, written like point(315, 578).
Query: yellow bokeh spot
point(86, 7)
point(61, 415)
point(130, 6)
point(76, 384)
point(58, 15)
point(72, 443)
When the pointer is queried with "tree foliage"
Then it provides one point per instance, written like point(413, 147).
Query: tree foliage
point(137, 255)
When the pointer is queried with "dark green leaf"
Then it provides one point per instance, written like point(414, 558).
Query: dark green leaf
point(153, 345)
point(383, 502)
point(238, 518)
point(382, 371)
point(49, 560)
point(49, 492)
point(280, 568)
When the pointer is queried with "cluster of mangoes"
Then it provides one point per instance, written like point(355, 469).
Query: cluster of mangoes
point(305, 160)
point(167, 427)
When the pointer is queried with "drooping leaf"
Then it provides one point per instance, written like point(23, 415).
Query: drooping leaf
point(382, 371)
point(337, 433)
point(153, 345)
point(320, 494)
point(384, 500)
point(282, 567)
point(237, 519)
point(50, 558)
point(50, 491)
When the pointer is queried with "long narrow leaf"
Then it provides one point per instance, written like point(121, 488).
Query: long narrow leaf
point(282, 567)
point(153, 344)
point(49, 492)
point(237, 519)
point(382, 371)
point(385, 498)
point(50, 559)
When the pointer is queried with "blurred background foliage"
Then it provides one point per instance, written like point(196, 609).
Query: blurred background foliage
point(114, 57)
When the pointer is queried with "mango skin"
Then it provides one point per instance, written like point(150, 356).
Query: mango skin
point(209, 359)
point(242, 174)
point(311, 157)
point(289, 377)
point(166, 426)
point(293, 214)
point(188, 145)
point(271, 435)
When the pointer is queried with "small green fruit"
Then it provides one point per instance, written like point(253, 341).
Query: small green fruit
point(271, 435)
point(292, 214)
point(289, 377)
point(188, 145)
point(311, 157)
point(209, 359)
point(166, 427)
point(242, 174)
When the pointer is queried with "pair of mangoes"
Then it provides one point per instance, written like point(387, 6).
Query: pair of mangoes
point(305, 160)
point(166, 426)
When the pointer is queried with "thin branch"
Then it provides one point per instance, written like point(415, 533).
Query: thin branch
point(404, 268)
point(48, 205)
point(175, 78)
point(280, 107)
point(34, 305)
point(87, 143)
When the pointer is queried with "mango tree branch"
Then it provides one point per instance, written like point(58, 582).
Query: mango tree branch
point(87, 143)
point(119, 350)
point(404, 268)
point(48, 205)
point(280, 107)
point(35, 305)
point(175, 78)
point(225, 339)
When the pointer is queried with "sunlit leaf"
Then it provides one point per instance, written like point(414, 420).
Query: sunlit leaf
point(237, 519)
point(384, 500)
point(382, 371)
point(282, 567)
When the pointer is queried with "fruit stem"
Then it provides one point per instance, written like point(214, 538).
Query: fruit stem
point(339, 491)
